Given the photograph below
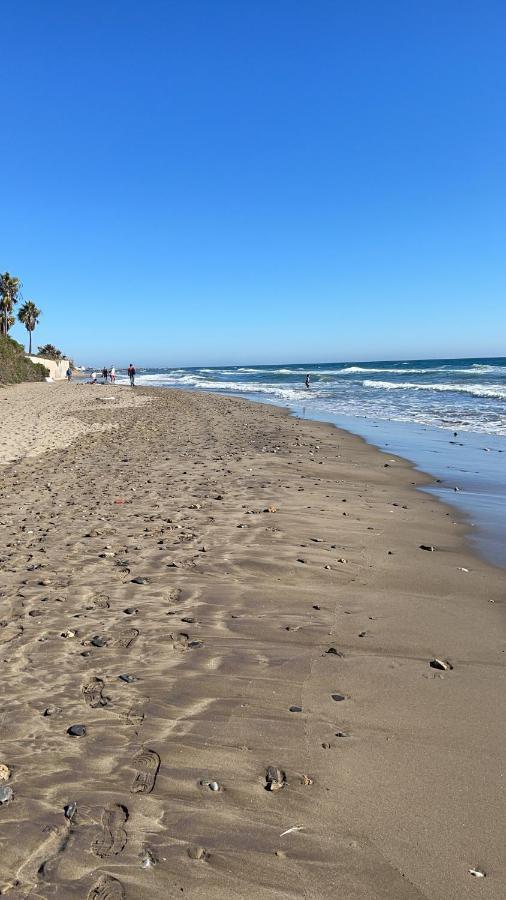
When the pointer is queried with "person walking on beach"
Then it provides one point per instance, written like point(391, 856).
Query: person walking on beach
point(104, 374)
point(131, 374)
point(308, 379)
point(112, 374)
point(68, 374)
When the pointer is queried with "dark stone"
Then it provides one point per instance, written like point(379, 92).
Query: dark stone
point(76, 731)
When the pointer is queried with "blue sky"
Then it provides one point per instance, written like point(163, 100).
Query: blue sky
point(220, 182)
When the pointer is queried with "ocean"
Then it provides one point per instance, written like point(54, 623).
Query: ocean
point(468, 394)
point(448, 416)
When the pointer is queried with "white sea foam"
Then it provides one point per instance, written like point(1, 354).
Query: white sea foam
point(493, 391)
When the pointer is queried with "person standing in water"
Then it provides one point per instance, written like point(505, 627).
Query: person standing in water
point(131, 374)
point(308, 380)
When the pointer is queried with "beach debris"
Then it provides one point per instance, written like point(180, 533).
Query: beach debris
point(131, 611)
point(456, 489)
point(477, 873)
point(300, 560)
point(52, 710)
point(148, 859)
point(332, 651)
point(342, 734)
point(441, 664)
point(307, 780)
point(197, 853)
point(70, 810)
point(195, 506)
point(76, 731)
point(6, 794)
point(338, 697)
point(295, 709)
point(315, 606)
point(326, 566)
point(128, 678)
point(428, 547)
point(326, 745)
point(5, 772)
point(275, 779)
point(462, 569)
point(342, 560)
point(140, 580)
point(271, 509)
point(290, 830)
point(68, 634)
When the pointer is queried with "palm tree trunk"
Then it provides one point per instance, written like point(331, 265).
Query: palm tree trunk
point(30, 350)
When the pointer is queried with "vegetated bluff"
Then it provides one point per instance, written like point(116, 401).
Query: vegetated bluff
point(15, 366)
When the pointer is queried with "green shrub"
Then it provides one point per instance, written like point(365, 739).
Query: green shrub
point(15, 365)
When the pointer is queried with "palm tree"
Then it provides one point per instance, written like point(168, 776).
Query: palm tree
point(9, 293)
point(28, 315)
point(51, 352)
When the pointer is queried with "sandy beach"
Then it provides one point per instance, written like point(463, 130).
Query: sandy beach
point(217, 624)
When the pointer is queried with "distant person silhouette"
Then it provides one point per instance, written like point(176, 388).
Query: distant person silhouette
point(131, 374)
point(308, 380)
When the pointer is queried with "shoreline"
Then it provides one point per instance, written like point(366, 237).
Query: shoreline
point(265, 541)
point(474, 487)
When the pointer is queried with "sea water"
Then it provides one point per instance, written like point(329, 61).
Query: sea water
point(448, 416)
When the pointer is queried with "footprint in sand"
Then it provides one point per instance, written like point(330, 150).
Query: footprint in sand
point(135, 715)
point(126, 638)
point(147, 763)
point(107, 888)
point(9, 632)
point(92, 693)
point(35, 865)
point(114, 837)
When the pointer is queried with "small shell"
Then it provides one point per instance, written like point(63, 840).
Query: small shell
point(441, 664)
point(477, 873)
point(5, 772)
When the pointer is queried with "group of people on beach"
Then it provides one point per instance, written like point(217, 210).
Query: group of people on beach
point(110, 375)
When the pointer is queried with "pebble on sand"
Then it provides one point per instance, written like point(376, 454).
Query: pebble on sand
point(275, 779)
point(295, 709)
point(76, 731)
point(6, 794)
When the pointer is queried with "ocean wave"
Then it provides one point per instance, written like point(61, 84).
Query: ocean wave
point(492, 391)
point(353, 370)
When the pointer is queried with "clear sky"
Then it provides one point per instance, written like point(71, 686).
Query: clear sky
point(226, 181)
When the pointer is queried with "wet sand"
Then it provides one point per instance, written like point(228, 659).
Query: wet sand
point(259, 583)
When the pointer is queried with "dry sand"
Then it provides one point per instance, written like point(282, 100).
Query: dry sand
point(262, 543)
